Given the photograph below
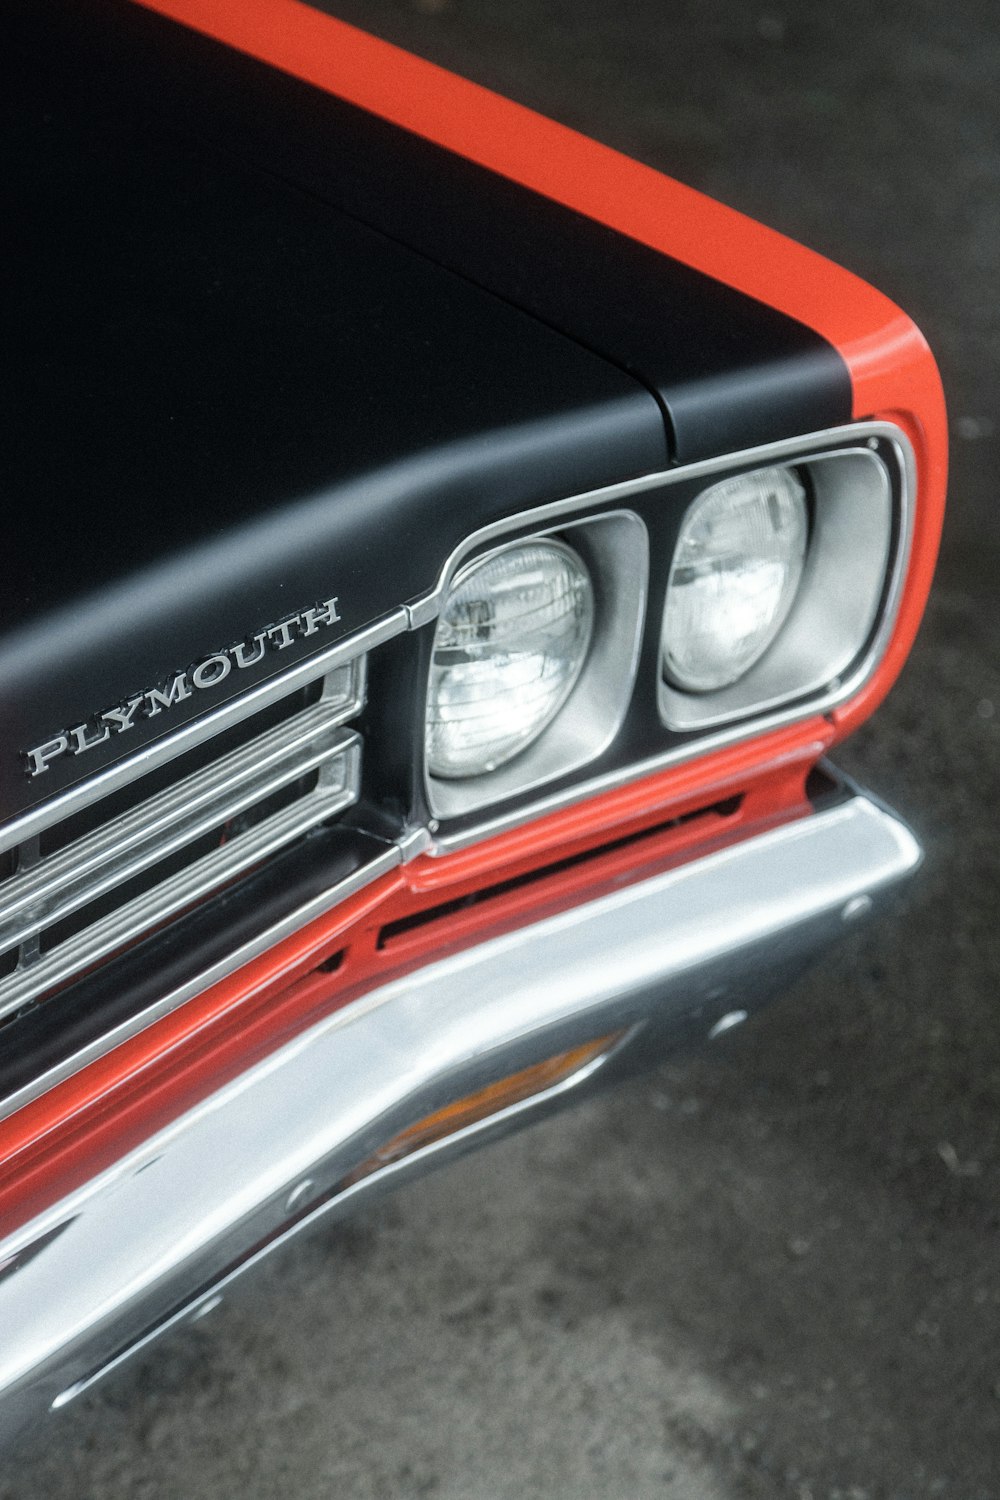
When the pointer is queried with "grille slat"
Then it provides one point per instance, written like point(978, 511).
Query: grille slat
point(217, 822)
point(80, 873)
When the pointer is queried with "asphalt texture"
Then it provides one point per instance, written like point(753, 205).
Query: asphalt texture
point(770, 1270)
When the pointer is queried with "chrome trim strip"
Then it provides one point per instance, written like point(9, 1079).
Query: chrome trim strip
point(412, 842)
point(813, 445)
point(85, 869)
point(31, 823)
point(338, 788)
point(427, 608)
point(246, 953)
point(611, 781)
point(157, 1230)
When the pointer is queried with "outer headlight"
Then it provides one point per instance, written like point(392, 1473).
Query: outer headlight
point(736, 570)
point(511, 641)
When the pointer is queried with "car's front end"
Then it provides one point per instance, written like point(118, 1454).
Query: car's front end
point(444, 555)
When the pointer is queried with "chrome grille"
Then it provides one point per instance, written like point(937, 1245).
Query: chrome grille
point(63, 912)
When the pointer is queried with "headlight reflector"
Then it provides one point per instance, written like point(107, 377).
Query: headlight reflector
point(510, 643)
point(736, 570)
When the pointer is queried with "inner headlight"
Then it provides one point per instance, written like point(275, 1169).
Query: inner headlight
point(511, 641)
point(736, 569)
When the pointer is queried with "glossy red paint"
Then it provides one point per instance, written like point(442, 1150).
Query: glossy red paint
point(391, 928)
point(64, 1137)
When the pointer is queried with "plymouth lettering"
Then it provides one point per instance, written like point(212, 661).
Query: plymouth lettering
point(202, 676)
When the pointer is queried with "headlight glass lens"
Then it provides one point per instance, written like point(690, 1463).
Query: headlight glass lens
point(736, 570)
point(511, 641)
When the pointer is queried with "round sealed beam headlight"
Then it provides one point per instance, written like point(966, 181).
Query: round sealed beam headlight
point(736, 570)
point(510, 643)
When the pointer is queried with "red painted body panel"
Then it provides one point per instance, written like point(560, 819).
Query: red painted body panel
point(383, 932)
point(84, 1123)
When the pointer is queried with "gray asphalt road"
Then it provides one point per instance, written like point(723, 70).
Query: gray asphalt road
point(771, 1271)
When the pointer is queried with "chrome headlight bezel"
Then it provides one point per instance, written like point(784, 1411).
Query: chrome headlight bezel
point(837, 605)
point(614, 548)
point(657, 725)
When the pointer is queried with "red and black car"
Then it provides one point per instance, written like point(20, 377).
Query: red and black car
point(440, 556)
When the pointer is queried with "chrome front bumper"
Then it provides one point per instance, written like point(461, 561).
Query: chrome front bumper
point(157, 1237)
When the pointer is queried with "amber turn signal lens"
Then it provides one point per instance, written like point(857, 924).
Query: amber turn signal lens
point(516, 1088)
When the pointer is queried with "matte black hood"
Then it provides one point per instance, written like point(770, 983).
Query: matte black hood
point(227, 401)
point(264, 349)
